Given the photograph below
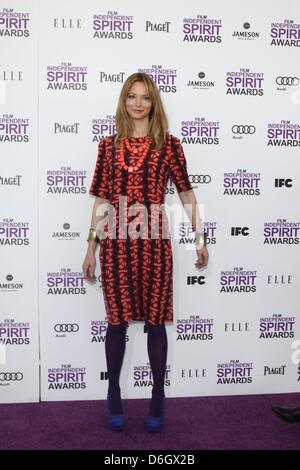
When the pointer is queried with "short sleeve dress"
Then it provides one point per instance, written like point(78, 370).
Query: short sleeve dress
point(137, 271)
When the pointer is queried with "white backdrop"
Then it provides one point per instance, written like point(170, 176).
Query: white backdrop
point(229, 80)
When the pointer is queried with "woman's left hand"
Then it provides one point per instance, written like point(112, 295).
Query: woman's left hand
point(202, 260)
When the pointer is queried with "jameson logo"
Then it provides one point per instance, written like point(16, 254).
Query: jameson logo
point(102, 127)
point(14, 333)
point(201, 83)
point(286, 34)
point(281, 232)
point(241, 183)
point(67, 377)
point(142, 376)
point(194, 328)
point(283, 134)
point(246, 34)
point(277, 326)
point(202, 29)
point(66, 234)
point(8, 286)
point(112, 26)
point(14, 129)
point(235, 372)
point(200, 131)
point(14, 23)
point(66, 181)
point(245, 82)
point(238, 280)
point(65, 282)
point(66, 77)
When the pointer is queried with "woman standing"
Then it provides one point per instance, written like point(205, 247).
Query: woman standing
point(134, 166)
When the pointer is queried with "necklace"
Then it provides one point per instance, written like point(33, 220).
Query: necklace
point(142, 152)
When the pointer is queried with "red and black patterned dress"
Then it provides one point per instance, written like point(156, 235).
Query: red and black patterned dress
point(137, 273)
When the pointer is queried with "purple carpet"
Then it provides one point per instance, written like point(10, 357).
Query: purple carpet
point(233, 423)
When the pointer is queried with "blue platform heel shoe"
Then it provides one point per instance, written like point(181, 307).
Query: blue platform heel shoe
point(155, 423)
point(115, 422)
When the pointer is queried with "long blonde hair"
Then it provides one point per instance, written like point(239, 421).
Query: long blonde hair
point(158, 123)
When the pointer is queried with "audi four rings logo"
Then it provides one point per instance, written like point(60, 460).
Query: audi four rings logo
point(291, 81)
point(200, 179)
point(10, 376)
point(243, 129)
point(66, 327)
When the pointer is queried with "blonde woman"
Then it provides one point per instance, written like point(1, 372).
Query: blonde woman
point(137, 268)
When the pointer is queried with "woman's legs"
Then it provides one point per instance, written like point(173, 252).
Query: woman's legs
point(157, 344)
point(114, 351)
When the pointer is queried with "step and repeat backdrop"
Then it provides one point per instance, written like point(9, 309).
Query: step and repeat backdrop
point(229, 80)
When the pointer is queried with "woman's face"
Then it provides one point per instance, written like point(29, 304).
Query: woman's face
point(138, 104)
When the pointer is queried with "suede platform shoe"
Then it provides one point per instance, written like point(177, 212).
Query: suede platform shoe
point(115, 422)
point(155, 423)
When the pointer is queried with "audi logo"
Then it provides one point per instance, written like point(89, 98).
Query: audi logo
point(239, 129)
point(291, 81)
point(10, 376)
point(66, 327)
point(200, 179)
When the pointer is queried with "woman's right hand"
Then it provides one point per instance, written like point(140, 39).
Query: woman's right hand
point(89, 265)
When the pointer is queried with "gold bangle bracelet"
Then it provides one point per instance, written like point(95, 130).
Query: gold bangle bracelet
point(92, 235)
point(200, 238)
